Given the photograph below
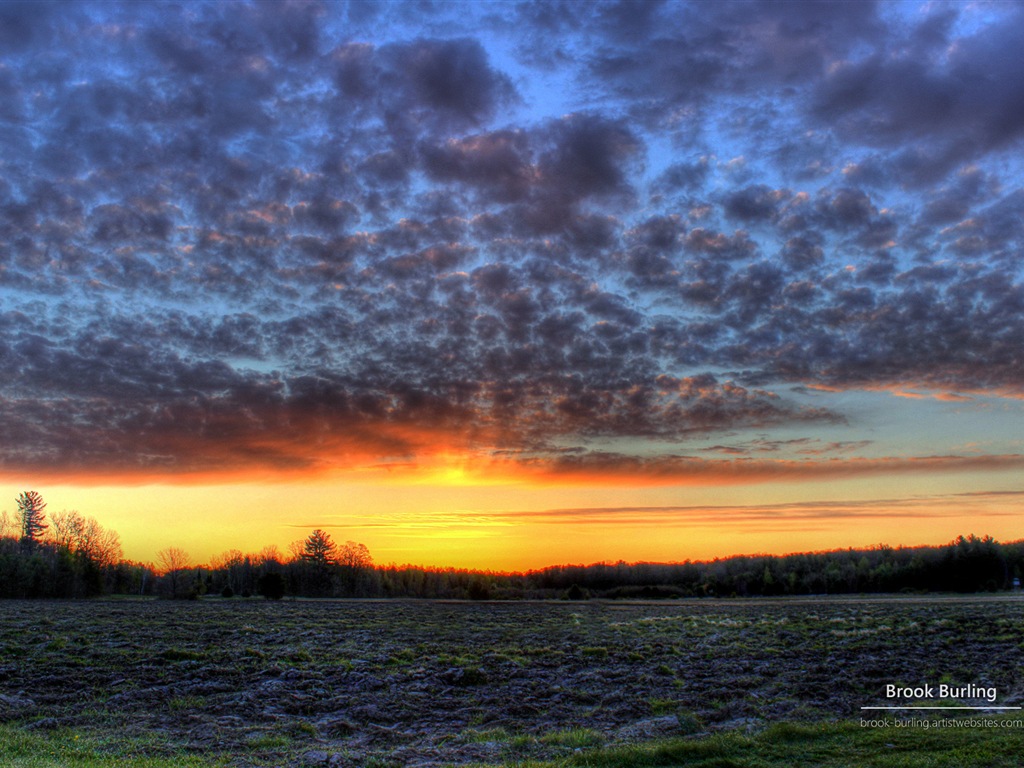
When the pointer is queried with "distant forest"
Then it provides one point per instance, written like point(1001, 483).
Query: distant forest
point(68, 555)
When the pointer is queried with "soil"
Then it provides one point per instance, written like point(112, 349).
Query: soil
point(438, 683)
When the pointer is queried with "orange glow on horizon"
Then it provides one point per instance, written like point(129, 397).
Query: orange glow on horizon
point(451, 498)
point(472, 469)
point(515, 528)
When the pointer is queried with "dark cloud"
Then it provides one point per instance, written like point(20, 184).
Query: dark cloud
point(268, 234)
point(438, 83)
point(803, 251)
point(683, 176)
point(960, 100)
point(499, 163)
point(24, 24)
point(736, 246)
point(845, 209)
point(755, 203)
point(450, 76)
point(598, 468)
point(691, 54)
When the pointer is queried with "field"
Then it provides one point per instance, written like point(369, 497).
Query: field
point(335, 683)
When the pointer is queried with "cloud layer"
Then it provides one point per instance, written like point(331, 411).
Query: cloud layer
point(297, 236)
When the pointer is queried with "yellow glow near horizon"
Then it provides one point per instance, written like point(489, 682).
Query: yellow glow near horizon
point(519, 526)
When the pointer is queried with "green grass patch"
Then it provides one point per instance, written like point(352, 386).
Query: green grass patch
point(573, 738)
point(300, 656)
point(544, 651)
point(402, 657)
point(511, 658)
point(829, 745)
point(180, 654)
point(456, 660)
point(266, 741)
point(302, 728)
point(186, 703)
point(486, 736)
point(67, 749)
point(663, 706)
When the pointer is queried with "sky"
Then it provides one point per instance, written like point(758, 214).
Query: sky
point(503, 285)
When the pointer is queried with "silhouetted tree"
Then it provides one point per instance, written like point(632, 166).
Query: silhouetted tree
point(319, 549)
point(269, 555)
point(88, 538)
point(355, 567)
point(233, 569)
point(175, 562)
point(92, 549)
point(31, 509)
point(317, 563)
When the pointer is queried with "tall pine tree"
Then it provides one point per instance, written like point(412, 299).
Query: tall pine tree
point(31, 509)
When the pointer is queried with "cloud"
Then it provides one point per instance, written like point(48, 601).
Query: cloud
point(692, 54)
point(435, 83)
point(805, 446)
point(793, 513)
point(299, 237)
point(163, 392)
point(960, 99)
point(754, 203)
point(499, 163)
point(612, 469)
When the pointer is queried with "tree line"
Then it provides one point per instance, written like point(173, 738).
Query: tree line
point(63, 555)
point(67, 554)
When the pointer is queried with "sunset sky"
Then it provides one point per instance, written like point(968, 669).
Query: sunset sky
point(504, 285)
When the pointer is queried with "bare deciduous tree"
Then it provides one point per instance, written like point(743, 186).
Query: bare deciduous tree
point(232, 558)
point(86, 537)
point(270, 555)
point(99, 544)
point(355, 561)
point(173, 561)
point(66, 528)
point(354, 555)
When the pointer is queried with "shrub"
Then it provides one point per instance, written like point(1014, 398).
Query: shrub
point(575, 593)
point(271, 586)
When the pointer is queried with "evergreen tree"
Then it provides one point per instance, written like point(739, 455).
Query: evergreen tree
point(31, 509)
point(319, 558)
point(319, 549)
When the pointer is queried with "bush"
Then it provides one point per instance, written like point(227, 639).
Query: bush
point(271, 586)
point(575, 593)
